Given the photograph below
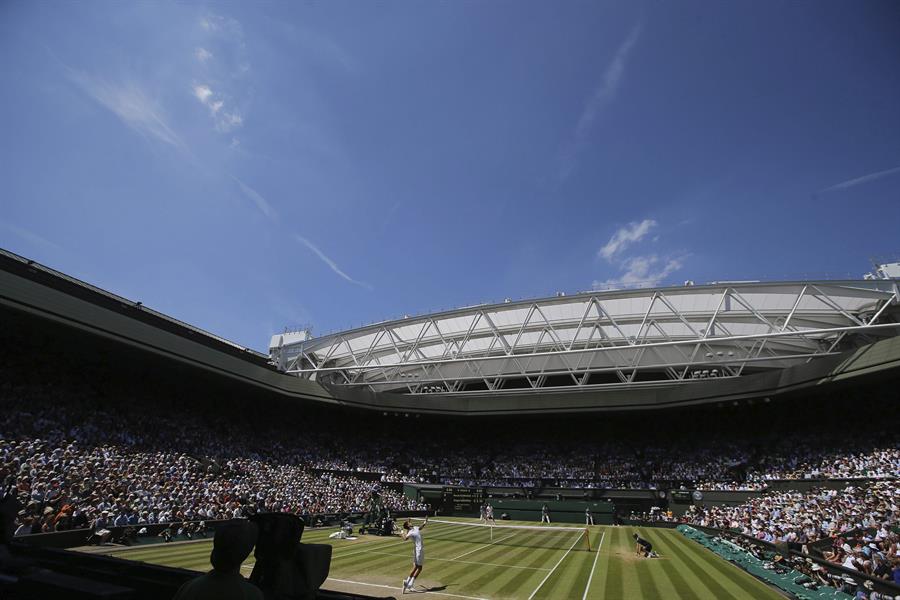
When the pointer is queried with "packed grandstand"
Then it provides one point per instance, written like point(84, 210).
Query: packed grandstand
point(79, 460)
point(99, 437)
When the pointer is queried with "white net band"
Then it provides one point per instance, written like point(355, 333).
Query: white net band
point(549, 528)
point(533, 536)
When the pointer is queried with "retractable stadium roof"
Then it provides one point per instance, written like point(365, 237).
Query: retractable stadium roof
point(597, 340)
point(593, 352)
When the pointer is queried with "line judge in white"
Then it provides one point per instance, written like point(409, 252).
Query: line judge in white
point(415, 534)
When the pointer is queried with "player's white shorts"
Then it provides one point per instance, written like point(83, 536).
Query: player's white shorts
point(419, 557)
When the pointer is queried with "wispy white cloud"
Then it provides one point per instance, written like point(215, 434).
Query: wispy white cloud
point(642, 271)
point(261, 203)
point(202, 54)
point(602, 96)
point(331, 264)
point(625, 236)
point(606, 90)
point(227, 99)
point(637, 270)
point(213, 22)
point(224, 120)
point(230, 120)
point(130, 103)
point(860, 180)
point(202, 93)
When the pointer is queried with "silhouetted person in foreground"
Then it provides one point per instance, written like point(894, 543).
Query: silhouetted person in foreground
point(232, 545)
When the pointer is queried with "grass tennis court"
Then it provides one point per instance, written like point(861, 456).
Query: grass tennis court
point(464, 562)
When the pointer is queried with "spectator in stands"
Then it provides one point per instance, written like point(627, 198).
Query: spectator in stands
point(232, 544)
point(25, 527)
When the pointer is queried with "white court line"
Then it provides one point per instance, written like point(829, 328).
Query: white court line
point(544, 580)
point(333, 556)
point(363, 543)
point(391, 587)
point(482, 547)
point(588, 586)
point(365, 550)
point(352, 546)
point(467, 562)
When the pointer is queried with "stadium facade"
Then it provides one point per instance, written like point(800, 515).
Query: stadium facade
point(590, 352)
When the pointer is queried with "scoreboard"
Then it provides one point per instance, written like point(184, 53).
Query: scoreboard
point(462, 499)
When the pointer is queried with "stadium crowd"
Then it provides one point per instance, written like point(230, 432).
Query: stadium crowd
point(74, 468)
point(716, 465)
point(858, 525)
point(882, 564)
point(806, 517)
point(76, 461)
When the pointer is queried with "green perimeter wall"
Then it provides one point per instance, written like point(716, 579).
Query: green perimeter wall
point(561, 511)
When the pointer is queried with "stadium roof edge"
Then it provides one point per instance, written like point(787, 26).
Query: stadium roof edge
point(614, 293)
point(41, 293)
point(63, 279)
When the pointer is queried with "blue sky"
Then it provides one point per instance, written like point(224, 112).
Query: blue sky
point(245, 167)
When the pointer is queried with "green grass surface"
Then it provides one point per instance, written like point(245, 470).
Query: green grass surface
point(528, 565)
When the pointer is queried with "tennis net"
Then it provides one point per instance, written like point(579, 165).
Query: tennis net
point(535, 536)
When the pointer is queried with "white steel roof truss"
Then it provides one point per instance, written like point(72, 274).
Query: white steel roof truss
point(787, 321)
point(871, 321)
point(613, 349)
point(461, 346)
point(791, 321)
point(508, 350)
point(310, 359)
point(497, 335)
point(685, 322)
point(605, 313)
point(750, 351)
point(522, 328)
point(394, 337)
point(375, 339)
point(587, 310)
point(661, 366)
point(710, 327)
point(887, 303)
point(718, 339)
point(335, 344)
point(475, 367)
point(672, 374)
point(443, 339)
point(637, 359)
point(557, 344)
point(413, 348)
point(762, 318)
point(640, 333)
point(528, 361)
point(825, 298)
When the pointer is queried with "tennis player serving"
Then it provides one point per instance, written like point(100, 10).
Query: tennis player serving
point(414, 533)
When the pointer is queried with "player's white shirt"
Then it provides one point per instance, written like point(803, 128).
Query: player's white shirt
point(418, 549)
point(489, 511)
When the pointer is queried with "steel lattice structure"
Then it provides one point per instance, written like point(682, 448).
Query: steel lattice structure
point(602, 339)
